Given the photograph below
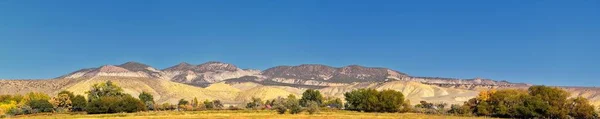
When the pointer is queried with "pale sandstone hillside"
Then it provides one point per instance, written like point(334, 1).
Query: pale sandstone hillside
point(592, 94)
point(163, 91)
point(51, 86)
point(414, 91)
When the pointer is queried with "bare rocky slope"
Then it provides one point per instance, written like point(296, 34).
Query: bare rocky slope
point(233, 85)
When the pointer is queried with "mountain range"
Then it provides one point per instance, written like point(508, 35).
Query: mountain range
point(233, 85)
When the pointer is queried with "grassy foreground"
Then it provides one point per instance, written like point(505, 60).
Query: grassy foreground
point(247, 114)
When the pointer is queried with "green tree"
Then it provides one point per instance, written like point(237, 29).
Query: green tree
point(555, 97)
point(391, 101)
point(36, 96)
point(371, 100)
point(69, 93)
point(311, 95)
point(195, 102)
point(115, 104)
point(79, 103)
point(109, 98)
point(256, 103)
point(531, 107)
point(209, 104)
point(483, 109)
point(148, 100)
point(145, 97)
point(41, 105)
point(581, 109)
point(104, 89)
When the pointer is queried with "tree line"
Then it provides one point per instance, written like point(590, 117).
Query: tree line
point(535, 102)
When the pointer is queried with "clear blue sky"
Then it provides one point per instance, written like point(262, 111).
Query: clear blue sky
point(551, 42)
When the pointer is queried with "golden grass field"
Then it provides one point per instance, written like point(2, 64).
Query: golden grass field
point(246, 114)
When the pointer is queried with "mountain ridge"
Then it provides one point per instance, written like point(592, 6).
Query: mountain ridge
point(227, 82)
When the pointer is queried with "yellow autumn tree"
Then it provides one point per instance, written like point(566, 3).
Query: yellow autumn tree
point(485, 95)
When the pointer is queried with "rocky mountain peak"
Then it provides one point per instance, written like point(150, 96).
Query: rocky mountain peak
point(111, 69)
point(134, 66)
point(183, 66)
point(215, 66)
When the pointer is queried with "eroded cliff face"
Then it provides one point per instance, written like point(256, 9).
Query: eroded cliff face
point(205, 74)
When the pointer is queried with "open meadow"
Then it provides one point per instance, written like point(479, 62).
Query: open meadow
point(245, 114)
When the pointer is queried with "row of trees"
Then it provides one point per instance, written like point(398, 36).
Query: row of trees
point(195, 105)
point(39, 102)
point(536, 102)
point(371, 100)
point(311, 101)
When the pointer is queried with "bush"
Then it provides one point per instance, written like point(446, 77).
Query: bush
point(62, 101)
point(14, 111)
point(312, 107)
point(39, 105)
point(293, 104)
point(279, 105)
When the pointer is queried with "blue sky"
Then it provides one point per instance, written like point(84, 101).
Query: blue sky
point(541, 42)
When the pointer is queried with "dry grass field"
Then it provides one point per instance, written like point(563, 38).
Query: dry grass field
point(246, 114)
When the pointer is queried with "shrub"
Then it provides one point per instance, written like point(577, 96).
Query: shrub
point(312, 107)
point(62, 101)
point(293, 104)
point(279, 105)
point(150, 105)
point(40, 105)
point(14, 111)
